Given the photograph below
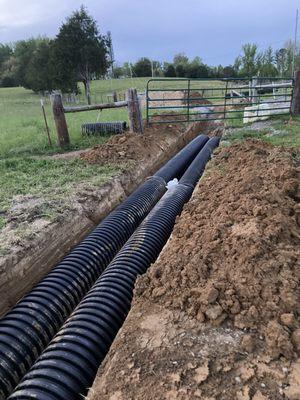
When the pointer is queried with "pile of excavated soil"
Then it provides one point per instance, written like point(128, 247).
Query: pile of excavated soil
point(195, 98)
point(169, 98)
point(236, 251)
point(130, 146)
point(217, 317)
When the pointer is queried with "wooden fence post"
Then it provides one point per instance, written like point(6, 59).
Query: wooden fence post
point(254, 91)
point(134, 111)
point(60, 121)
point(295, 105)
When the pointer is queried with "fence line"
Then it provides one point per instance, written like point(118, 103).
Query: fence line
point(59, 111)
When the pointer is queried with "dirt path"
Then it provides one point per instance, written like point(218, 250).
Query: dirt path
point(217, 317)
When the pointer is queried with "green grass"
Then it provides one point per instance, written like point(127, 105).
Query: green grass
point(2, 222)
point(290, 131)
point(287, 132)
point(22, 129)
point(46, 177)
point(24, 170)
point(237, 122)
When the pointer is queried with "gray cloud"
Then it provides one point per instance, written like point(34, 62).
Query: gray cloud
point(211, 29)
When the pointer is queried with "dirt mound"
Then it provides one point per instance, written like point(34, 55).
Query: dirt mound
point(217, 317)
point(195, 98)
point(131, 146)
point(235, 252)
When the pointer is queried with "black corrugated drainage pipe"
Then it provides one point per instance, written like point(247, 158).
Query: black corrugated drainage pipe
point(68, 366)
point(27, 329)
point(103, 128)
point(179, 163)
point(196, 169)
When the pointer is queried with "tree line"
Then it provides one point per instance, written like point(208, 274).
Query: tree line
point(80, 53)
point(251, 62)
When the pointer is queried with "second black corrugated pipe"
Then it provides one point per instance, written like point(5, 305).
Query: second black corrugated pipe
point(27, 329)
point(68, 366)
point(196, 169)
point(179, 163)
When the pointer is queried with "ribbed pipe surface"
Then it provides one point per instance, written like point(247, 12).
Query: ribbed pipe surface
point(179, 163)
point(27, 329)
point(103, 128)
point(68, 366)
point(196, 169)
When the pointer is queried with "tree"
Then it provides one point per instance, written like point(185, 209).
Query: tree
point(142, 67)
point(79, 52)
point(248, 60)
point(23, 53)
point(127, 69)
point(284, 59)
point(7, 66)
point(265, 63)
point(29, 66)
point(281, 59)
point(5, 53)
point(180, 59)
point(196, 69)
point(39, 74)
point(169, 71)
point(180, 70)
point(229, 72)
point(119, 72)
point(157, 68)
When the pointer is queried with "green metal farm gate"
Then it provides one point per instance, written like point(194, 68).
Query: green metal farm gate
point(176, 100)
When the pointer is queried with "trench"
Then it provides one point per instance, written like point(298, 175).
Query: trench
point(22, 269)
point(69, 364)
point(29, 326)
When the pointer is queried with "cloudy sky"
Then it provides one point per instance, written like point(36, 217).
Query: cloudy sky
point(211, 29)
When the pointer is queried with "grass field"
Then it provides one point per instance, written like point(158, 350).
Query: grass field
point(22, 128)
point(23, 147)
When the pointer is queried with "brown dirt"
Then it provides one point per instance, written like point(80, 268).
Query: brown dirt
point(133, 147)
point(67, 156)
point(194, 98)
point(217, 317)
point(176, 97)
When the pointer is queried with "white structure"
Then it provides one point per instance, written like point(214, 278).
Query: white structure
point(263, 111)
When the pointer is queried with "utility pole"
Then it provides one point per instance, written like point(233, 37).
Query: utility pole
point(111, 53)
point(130, 68)
point(152, 69)
point(295, 42)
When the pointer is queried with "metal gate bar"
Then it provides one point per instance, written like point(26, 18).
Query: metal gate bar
point(255, 92)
